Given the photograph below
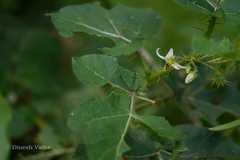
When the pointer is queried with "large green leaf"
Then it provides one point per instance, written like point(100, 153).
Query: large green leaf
point(202, 143)
point(104, 123)
point(125, 26)
point(5, 116)
point(98, 70)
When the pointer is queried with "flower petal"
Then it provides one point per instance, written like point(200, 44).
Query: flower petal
point(170, 54)
point(159, 55)
point(177, 66)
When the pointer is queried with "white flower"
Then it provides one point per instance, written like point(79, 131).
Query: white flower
point(170, 59)
point(190, 77)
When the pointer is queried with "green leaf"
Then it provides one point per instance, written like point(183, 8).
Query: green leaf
point(98, 70)
point(229, 125)
point(5, 117)
point(104, 123)
point(160, 126)
point(202, 143)
point(95, 70)
point(202, 45)
point(125, 26)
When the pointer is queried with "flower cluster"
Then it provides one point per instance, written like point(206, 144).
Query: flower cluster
point(170, 60)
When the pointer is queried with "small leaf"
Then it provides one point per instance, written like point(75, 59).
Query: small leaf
point(229, 125)
point(160, 126)
point(5, 117)
point(95, 70)
point(104, 123)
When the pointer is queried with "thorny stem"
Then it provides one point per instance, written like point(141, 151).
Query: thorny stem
point(213, 19)
point(211, 26)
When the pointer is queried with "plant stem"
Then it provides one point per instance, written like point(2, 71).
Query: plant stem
point(130, 93)
point(146, 56)
point(211, 26)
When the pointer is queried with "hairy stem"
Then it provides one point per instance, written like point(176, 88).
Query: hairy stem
point(211, 26)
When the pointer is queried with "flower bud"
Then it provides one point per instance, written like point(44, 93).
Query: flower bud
point(190, 77)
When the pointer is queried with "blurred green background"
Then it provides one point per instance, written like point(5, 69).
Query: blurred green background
point(36, 77)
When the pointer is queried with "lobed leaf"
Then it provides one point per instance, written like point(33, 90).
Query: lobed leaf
point(127, 27)
point(104, 123)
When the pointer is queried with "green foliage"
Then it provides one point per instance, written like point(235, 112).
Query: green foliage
point(107, 120)
point(119, 82)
